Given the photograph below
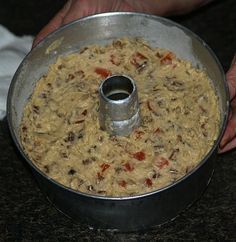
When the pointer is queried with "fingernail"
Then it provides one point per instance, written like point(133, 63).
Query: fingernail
point(222, 143)
point(67, 5)
point(219, 150)
point(233, 61)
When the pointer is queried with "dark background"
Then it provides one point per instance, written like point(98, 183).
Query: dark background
point(26, 215)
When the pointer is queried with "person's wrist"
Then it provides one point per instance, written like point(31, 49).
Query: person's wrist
point(149, 6)
point(166, 7)
point(160, 7)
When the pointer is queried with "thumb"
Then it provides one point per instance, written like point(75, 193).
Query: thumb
point(231, 78)
point(54, 24)
point(228, 141)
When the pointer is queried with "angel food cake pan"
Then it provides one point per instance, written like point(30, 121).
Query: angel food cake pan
point(135, 200)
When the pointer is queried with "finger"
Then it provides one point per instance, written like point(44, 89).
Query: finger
point(233, 62)
point(54, 24)
point(83, 8)
point(230, 132)
point(229, 146)
point(79, 9)
point(231, 78)
point(167, 7)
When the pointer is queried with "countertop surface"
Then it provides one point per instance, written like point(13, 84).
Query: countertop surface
point(25, 213)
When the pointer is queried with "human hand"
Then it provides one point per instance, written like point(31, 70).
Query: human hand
point(228, 141)
point(75, 9)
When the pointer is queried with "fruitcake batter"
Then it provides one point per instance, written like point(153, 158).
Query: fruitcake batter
point(179, 110)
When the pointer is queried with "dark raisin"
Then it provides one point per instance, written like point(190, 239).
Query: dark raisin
point(71, 172)
point(172, 84)
point(155, 175)
point(83, 50)
point(46, 168)
point(87, 161)
point(141, 67)
point(118, 170)
point(24, 128)
point(80, 181)
point(43, 95)
point(90, 188)
point(188, 168)
point(59, 115)
point(205, 134)
point(80, 135)
point(188, 73)
point(36, 109)
point(101, 192)
point(118, 44)
point(79, 121)
point(70, 137)
point(113, 138)
point(60, 67)
point(80, 74)
point(203, 126)
point(64, 155)
point(85, 112)
point(39, 126)
point(179, 138)
point(70, 77)
point(158, 55)
point(101, 128)
point(174, 154)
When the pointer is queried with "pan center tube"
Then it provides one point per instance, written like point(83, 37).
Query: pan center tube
point(119, 107)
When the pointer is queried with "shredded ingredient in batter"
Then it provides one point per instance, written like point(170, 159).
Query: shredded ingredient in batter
point(179, 110)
